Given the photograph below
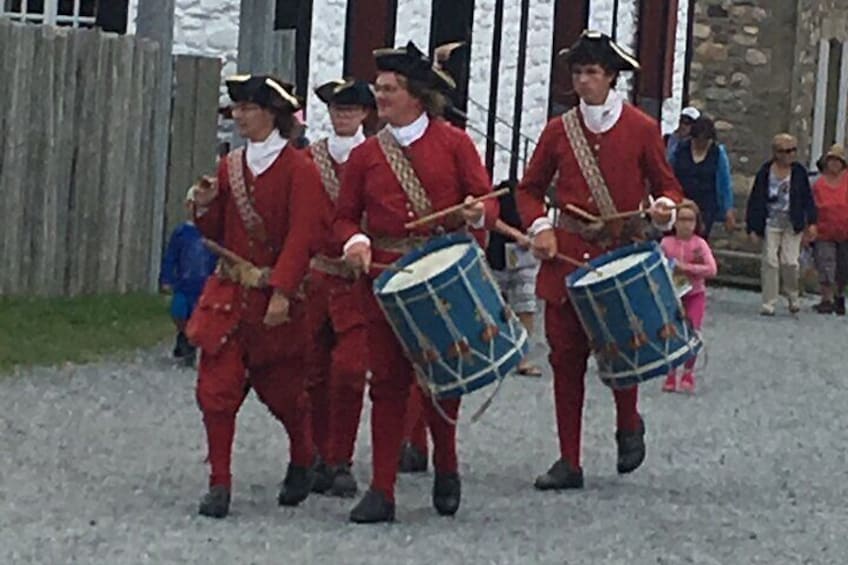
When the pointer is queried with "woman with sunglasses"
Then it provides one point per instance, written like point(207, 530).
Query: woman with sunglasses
point(780, 209)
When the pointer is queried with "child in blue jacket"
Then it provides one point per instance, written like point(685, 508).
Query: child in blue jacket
point(186, 265)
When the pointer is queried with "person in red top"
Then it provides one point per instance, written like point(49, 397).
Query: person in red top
point(450, 171)
point(249, 322)
point(830, 193)
point(626, 147)
point(336, 362)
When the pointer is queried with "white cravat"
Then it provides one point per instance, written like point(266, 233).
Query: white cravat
point(261, 154)
point(340, 147)
point(409, 134)
point(601, 119)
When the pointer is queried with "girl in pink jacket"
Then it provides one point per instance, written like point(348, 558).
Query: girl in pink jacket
point(694, 260)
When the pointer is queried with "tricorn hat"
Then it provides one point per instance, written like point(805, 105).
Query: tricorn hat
point(263, 90)
point(596, 47)
point(414, 64)
point(346, 93)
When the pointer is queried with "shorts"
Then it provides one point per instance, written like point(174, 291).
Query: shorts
point(182, 305)
point(832, 262)
point(518, 283)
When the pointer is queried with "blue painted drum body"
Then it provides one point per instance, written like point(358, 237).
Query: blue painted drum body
point(632, 315)
point(450, 316)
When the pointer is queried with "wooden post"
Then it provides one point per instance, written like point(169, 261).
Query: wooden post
point(256, 26)
point(21, 53)
point(155, 21)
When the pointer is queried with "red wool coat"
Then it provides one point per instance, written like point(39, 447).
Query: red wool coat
point(288, 198)
point(632, 160)
point(448, 166)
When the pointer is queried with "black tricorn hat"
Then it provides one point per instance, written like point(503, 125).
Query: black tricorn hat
point(414, 64)
point(264, 90)
point(596, 47)
point(346, 93)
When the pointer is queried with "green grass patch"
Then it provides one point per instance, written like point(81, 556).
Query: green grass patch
point(49, 331)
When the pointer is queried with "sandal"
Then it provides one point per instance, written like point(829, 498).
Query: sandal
point(529, 371)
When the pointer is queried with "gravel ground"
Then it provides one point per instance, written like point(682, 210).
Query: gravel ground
point(104, 464)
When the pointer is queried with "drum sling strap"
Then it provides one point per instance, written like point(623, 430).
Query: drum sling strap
point(404, 173)
point(588, 163)
point(243, 197)
point(329, 178)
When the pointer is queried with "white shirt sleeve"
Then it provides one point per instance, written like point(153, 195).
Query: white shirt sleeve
point(479, 224)
point(354, 239)
point(540, 224)
point(670, 204)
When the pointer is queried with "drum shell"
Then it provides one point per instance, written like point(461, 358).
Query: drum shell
point(635, 322)
point(462, 302)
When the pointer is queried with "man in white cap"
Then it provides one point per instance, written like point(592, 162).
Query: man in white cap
point(688, 117)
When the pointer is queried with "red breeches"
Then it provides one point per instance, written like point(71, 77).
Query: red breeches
point(389, 390)
point(222, 385)
point(569, 355)
point(336, 365)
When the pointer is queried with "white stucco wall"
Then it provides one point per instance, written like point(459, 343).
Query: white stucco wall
point(627, 35)
point(326, 60)
point(507, 75)
point(600, 15)
point(479, 72)
point(537, 75)
point(672, 106)
point(413, 23)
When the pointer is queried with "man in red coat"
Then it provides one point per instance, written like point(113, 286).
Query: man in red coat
point(249, 322)
point(338, 342)
point(606, 156)
point(448, 168)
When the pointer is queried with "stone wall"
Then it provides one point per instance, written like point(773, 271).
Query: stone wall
point(754, 71)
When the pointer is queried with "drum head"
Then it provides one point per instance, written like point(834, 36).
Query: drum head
point(426, 267)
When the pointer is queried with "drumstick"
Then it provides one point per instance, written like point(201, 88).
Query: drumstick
point(582, 213)
point(631, 213)
point(523, 239)
point(384, 266)
point(225, 253)
point(452, 209)
point(392, 268)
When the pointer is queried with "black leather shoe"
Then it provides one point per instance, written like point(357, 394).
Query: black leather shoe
point(344, 483)
point(373, 508)
point(631, 448)
point(412, 460)
point(839, 307)
point(323, 478)
point(561, 476)
point(447, 493)
point(296, 486)
point(215, 503)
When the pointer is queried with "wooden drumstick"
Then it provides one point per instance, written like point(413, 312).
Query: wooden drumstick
point(453, 209)
point(523, 239)
point(576, 210)
point(632, 213)
point(383, 266)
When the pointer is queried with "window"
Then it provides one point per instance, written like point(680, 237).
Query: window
point(73, 13)
point(297, 15)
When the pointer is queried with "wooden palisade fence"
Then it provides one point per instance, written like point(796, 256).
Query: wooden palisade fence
point(77, 109)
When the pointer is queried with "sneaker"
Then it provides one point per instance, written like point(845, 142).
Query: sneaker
point(687, 383)
point(794, 308)
point(766, 310)
point(670, 384)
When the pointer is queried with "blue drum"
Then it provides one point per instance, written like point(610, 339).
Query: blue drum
point(447, 310)
point(629, 307)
